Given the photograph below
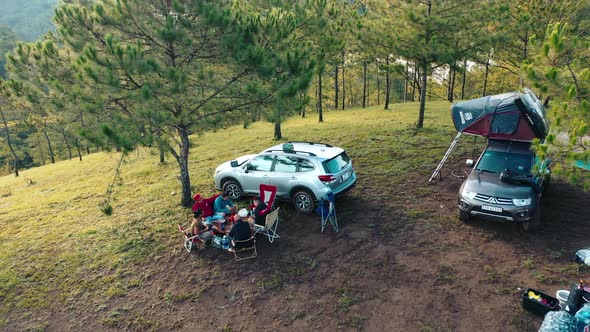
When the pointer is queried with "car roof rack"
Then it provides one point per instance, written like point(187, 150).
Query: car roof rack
point(293, 151)
point(312, 143)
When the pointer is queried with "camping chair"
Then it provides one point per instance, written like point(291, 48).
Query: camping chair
point(190, 241)
point(239, 254)
point(327, 209)
point(267, 194)
point(270, 226)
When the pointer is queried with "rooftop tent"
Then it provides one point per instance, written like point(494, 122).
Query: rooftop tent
point(510, 116)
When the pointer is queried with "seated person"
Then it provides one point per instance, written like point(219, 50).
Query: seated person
point(260, 211)
point(199, 228)
point(240, 231)
point(223, 206)
point(199, 203)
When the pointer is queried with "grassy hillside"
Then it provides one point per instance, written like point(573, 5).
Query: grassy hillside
point(58, 249)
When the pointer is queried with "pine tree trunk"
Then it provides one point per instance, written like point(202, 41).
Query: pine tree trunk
point(343, 83)
point(424, 73)
point(378, 87)
point(485, 79)
point(78, 149)
point(9, 142)
point(406, 80)
point(51, 155)
point(320, 109)
point(68, 146)
point(414, 82)
point(182, 158)
point(303, 107)
point(387, 83)
point(464, 79)
point(364, 84)
point(278, 135)
point(336, 87)
point(162, 156)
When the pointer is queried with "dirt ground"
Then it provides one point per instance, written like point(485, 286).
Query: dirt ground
point(401, 262)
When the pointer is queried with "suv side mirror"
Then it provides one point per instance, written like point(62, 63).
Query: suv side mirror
point(233, 163)
point(469, 162)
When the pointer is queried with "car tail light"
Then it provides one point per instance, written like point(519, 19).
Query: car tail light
point(327, 179)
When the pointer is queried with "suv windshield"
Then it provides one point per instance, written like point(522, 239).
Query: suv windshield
point(497, 161)
point(336, 164)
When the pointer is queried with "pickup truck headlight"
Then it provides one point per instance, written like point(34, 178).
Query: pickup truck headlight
point(521, 202)
point(468, 194)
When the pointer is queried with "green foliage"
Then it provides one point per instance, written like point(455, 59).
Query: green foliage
point(559, 70)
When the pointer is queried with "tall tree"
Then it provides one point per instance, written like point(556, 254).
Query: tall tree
point(428, 35)
point(161, 71)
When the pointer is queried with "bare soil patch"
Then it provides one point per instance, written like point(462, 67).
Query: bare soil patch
point(402, 262)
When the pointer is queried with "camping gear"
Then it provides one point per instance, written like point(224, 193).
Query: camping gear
point(583, 318)
point(514, 116)
point(511, 116)
point(270, 226)
point(558, 321)
point(242, 248)
point(583, 256)
point(327, 210)
point(538, 303)
point(562, 296)
point(575, 300)
point(216, 241)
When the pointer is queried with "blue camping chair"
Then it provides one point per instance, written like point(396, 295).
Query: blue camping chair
point(327, 210)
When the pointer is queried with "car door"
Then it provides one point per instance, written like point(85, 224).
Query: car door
point(256, 171)
point(284, 175)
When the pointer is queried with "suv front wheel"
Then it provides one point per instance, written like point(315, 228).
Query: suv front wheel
point(303, 201)
point(534, 223)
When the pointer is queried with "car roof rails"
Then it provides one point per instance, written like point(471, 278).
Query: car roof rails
point(312, 143)
point(293, 151)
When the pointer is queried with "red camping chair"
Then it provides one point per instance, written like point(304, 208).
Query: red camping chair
point(267, 194)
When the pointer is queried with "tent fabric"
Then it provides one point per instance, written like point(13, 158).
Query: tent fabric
point(509, 116)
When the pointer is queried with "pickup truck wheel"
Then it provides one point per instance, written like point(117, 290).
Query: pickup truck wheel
point(303, 201)
point(464, 216)
point(233, 188)
point(534, 223)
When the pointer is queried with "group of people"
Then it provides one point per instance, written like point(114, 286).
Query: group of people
point(238, 226)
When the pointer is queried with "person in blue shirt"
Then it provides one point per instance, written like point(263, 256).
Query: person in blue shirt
point(223, 205)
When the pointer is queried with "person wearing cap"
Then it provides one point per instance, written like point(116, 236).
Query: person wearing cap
point(240, 231)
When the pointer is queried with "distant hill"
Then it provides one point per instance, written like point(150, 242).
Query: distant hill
point(28, 18)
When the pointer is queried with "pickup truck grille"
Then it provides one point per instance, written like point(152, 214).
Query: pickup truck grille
point(493, 200)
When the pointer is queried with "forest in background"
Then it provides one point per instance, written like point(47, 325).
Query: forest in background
point(29, 19)
point(151, 73)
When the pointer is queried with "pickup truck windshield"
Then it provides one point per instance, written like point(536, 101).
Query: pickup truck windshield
point(497, 161)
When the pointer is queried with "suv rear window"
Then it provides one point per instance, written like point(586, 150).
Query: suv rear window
point(336, 164)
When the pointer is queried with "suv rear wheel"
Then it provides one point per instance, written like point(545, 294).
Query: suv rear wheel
point(303, 201)
point(233, 188)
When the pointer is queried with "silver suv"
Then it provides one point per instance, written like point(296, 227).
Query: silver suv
point(303, 172)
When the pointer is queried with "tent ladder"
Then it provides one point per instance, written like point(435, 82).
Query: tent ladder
point(444, 159)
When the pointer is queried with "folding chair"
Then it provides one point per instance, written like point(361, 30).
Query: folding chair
point(327, 209)
point(267, 194)
point(251, 246)
point(190, 242)
point(270, 226)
